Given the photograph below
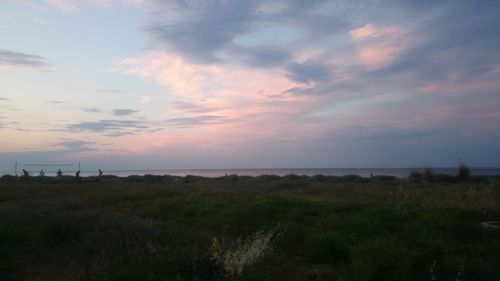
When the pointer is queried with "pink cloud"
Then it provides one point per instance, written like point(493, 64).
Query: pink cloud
point(146, 99)
point(377, 46)
point(234, 92)
point(370, 31)
point(63, 5)
point(452, 86)
point(251, 101)
point(102, 3)
point(73, 5)
point(205, 81)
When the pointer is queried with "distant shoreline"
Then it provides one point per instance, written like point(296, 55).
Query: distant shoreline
point(213, 173)
point(414, 177)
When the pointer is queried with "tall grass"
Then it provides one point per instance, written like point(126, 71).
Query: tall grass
point(240, 254)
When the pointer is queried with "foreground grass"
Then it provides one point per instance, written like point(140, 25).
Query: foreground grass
point(162, 228)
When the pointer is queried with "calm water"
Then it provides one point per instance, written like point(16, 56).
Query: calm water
point(364, 172)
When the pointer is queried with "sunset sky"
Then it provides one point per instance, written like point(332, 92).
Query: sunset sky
point(131, 84)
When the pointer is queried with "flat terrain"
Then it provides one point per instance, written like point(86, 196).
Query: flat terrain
point(321, 228)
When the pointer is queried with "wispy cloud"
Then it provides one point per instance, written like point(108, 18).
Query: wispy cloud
point(193, 107)
point(207, 32)
point(76, 145)
point(110, 91)
point(105, 126)
point(196, 120)
point(119, 134)
point(308, 71)
point(15, 59)
point(91, 109)
point(124, 112)
point(74, 5)
point(63, 5)
point(146, 99)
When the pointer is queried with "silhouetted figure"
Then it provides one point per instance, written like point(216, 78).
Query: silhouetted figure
point(371, 175)
point(100, 172)
point(59, 173)
point(42, 173)
point(77, 174)
point(25, 173)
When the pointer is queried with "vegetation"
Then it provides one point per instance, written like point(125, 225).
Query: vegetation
point(248, 228)
point(428, 173)
point(463, 172)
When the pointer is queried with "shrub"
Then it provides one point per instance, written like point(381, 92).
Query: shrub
point(463, 172)
point(8, 178)
point(415, 176)
point(383, 178)
point(428, 173)
point(444, 178)
point(353, 178)
point(292, 177)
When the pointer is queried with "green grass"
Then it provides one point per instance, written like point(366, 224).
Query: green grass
point(330, 228)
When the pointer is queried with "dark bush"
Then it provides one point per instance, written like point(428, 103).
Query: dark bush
point(383, 178)
point(291, 177)
point(415, 176)
point(8, 178)
point(428, 173)
point(463, 172)
point(353, 178)
point(266, 178)
point(444, 178)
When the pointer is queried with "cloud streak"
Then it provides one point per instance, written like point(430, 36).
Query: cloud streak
point(10, 58)
point(91, 110)
point(124, 112)
point(192, 107)
point(63, 5)
point(185, 122)
point(76, 146)
point(105, 126)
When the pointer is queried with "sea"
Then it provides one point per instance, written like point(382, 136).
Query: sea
point(363, 172)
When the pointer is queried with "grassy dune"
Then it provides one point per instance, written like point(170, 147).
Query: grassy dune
point(319, 228)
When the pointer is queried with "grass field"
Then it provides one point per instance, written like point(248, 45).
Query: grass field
point(271, 228)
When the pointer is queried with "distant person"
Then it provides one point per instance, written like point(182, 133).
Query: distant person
point(100, 172)
point(77, 174)
point(42, 173)
point(25, 173)
point(59, 173)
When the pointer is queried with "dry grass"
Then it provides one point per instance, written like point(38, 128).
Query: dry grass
point(241, 253)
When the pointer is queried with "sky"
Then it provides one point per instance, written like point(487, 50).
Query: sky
point(150, 84)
